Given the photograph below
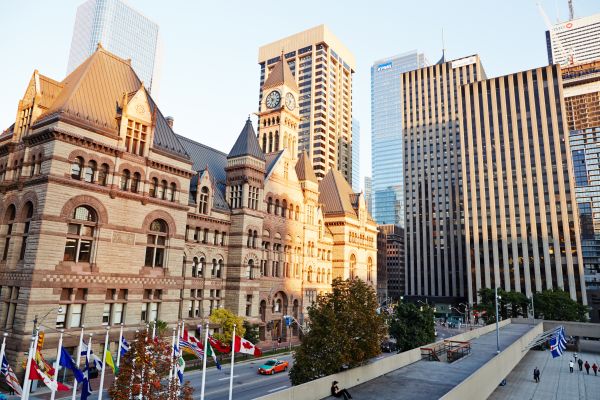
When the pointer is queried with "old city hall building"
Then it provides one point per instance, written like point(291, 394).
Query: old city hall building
point(110, 215)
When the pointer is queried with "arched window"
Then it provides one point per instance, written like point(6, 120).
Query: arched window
point(263, 310)
point(369, 270)
point(318, 275)
point(297, 213)
point(32, 168)
point(156, 244)
point(162, 191)
point(28, 213)
point(270, 142)
point(269, 205)
point(195, 267)
point(309, 276)
point(154, 187)
point(10, 220)
point(201, 267)
point(76, 168)
point(103, 174)
point(276, 141)
point(173, 191)
point(277, 207)
point(135, 182)
point(352, 266)
point(284, 208)
point(38, 165)
point(320, 229)
point(125, 177)
point(328, 276)
point(204, 193)
point(264, 143)
point(254, 236)
point(249, 268)
point(278, 305)
point(80, 235)
point(90, 171)
point(249, 241)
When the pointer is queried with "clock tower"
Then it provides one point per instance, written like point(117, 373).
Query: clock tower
point(278, 114)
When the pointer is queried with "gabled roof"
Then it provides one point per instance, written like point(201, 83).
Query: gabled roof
point(247, 144)
point(92, 92)
point(336, 194)
point(280, 75)
point(304, 168)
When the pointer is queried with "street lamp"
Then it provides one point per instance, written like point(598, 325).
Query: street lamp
point(497, 326)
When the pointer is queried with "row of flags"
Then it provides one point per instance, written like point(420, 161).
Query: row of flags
point(558, 342)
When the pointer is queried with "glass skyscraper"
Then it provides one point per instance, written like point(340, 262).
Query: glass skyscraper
point(355, 155)
point(122, 31)
point(386, 139)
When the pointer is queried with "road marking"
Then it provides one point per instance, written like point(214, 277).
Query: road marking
point(379, 358)
point(227, 378)
point(276, 389)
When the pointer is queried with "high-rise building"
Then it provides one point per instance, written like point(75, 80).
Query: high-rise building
point(393, 267)
point(122, 31)
point(369, 194)
point(518, 186)
point(582, 103)
point(355, 155)
point(430, 127)
point(574, 41)
point(386, 135)
point(322, 67)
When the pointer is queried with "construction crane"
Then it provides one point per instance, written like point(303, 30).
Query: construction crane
point(554, 37)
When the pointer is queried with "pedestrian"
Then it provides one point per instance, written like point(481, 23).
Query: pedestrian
point(580, 362)
point(587, 367)
point(595, 368)
point(571, 365)
point(536, 375)
point(337, 392)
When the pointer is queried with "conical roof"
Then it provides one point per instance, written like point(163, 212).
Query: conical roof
point(335, 194)
point(247, 144)
point(281, 74)
point(304, 168)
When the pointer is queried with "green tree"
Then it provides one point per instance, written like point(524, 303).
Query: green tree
point(557, 305)
point(225, 319)
point(412, 326)
point(251, 332)
point(344, 331)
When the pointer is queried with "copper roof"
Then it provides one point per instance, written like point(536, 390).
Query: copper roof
point(335, 194)
point(304, 168)
point(279, 75)
point(247, 144)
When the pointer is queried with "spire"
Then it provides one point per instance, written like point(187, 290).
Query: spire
point(280, 75)
point(304, 168)
point(247, 144)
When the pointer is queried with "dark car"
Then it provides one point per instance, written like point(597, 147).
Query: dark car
point(388, 346)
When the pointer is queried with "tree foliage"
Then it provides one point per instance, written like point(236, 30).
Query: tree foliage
point(412, 326)
point(557, 305)
point(251, 333)
point(225, 319)
point(152, 359)
point(344, 331)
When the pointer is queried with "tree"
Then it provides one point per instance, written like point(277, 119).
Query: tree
point(152, 359)
point(344, 331)
point(511, 304)
point(225, 319)
point(251, 332)
point(412, 326)
point(557, 305)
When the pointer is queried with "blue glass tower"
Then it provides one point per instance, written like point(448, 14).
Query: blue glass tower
point(386, 140)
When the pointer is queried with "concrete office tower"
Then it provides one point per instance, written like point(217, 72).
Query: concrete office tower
point(430, 126)
point(323, 68)
point(575, 41)
point(394, 259)
point(122, 31)
point(582, 103)
point(369, 193)
point(518, 186)
point(355, 155)
point(386, 137)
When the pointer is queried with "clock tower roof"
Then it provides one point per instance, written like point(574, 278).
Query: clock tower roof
point(281, 75)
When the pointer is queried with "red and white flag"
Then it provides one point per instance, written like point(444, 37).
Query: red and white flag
point(244, 346)
point(11, 378)
point(37, 374)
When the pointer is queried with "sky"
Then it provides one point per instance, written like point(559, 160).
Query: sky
point(210, 74)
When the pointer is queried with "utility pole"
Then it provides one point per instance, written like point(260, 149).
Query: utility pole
point(497, 326)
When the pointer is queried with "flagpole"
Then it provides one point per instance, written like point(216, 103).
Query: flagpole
point(154, 330)
point(232, 359)
point(32, 349)
point(132, 348)
point(180, 329)
point(103, 364)
point(5, 335)
point(143, 364)
point(204, 364)
point(87, 357)
point(172, 354)
point(56, 364)
point(77, 363)
point(120, 344)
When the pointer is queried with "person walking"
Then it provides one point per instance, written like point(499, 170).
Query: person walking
point(337, 392)
point(587, 367)
point(571, 365)
point(580, 362)
point(536, 375)
point(595, 368)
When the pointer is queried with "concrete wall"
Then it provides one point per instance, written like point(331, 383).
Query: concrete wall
point(486, 379)
point(586, 329)
point(320, 388)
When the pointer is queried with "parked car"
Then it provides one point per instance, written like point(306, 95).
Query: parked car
point(273, 366)
point(388, 346)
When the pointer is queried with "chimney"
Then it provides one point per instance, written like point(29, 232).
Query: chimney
point(170, 121)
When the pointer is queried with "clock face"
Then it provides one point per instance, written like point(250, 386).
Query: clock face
point(290, 101)
point(273, 99)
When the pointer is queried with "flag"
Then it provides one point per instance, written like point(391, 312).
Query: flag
point(67, 362)
point(43, 365)
point(95, 359)
point(218, 345)
point(11, 378)
point(37, 374)
point(124, 346)
point(191, 345)
point(244, 346)
point(211, 353)
point(86, 389)
point(558, 343)
point(109, 361)
point(179, 363)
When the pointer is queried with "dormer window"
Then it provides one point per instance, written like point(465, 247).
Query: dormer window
point(204, 193)
point(135, 140)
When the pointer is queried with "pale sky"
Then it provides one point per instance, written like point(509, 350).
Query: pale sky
point(210, 75)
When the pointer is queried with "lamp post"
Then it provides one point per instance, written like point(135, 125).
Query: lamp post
point(497, 326)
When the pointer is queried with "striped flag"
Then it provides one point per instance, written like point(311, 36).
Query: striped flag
point(11, 378)
point(191, 345)
point(124, 346)
point(558, 343)
point(179, 363)
point(211, 353)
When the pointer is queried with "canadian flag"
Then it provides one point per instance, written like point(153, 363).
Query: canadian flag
point(244, 346)
point(37, 374)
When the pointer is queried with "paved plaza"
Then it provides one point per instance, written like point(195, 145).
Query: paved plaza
point(556, 381)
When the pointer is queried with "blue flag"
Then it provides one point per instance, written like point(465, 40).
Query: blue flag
point(124, 346)
point(86, 389)
point(558, 343)
point(67, 362)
